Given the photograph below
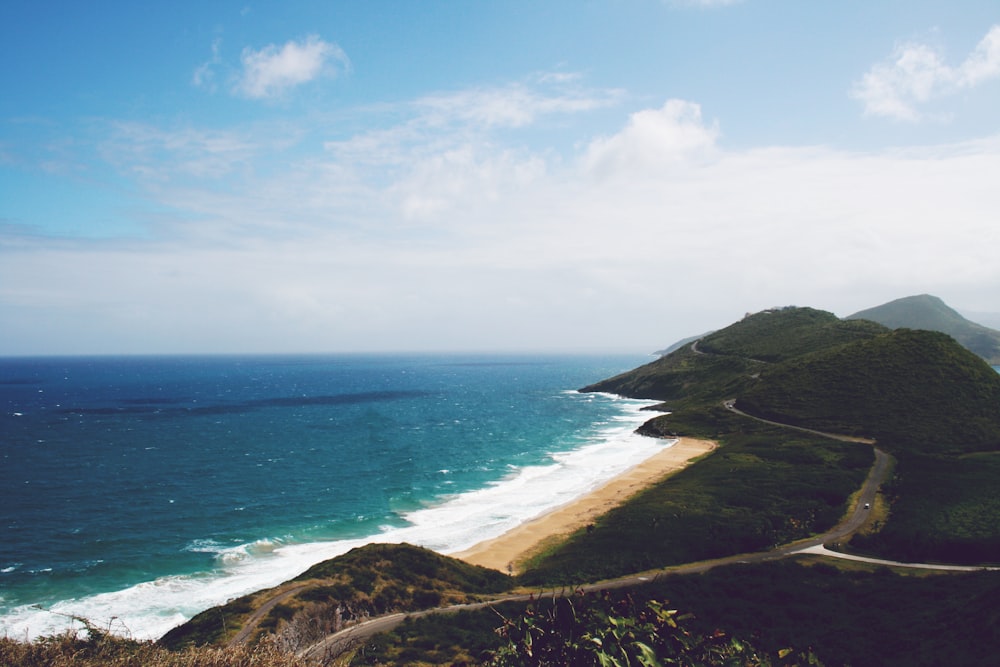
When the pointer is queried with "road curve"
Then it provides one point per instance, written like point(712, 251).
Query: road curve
point(335, 644)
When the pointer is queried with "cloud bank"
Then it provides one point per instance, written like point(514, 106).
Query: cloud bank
point(440, 229)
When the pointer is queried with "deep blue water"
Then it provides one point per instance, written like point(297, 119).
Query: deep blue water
point(149, 488)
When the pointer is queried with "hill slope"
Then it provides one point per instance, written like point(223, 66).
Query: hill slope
point(917, 390)
point(725, 363)
point(931, 313)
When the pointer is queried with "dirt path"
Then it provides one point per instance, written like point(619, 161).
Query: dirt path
point(255, 618)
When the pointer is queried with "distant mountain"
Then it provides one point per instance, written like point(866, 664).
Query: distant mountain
point(932, 314)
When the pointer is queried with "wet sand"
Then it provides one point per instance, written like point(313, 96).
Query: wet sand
point(505, 552)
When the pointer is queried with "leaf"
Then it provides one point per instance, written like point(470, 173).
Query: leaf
point(647, 656)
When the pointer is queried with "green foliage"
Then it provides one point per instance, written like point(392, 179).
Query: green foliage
point(406, 565)
point(782, 334)
point(942, 509)
point(437, 639)
point(864, 618)
point(210, 626)
point(613, 631)
point(861, 617)
point(684, 378)
point(911, 390)
point(726, 362)
point(763, 487)
point(370, 580)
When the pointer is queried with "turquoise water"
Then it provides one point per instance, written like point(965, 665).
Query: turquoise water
point(147, 489)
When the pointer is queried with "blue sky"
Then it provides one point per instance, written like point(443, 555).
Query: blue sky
point(398, 176)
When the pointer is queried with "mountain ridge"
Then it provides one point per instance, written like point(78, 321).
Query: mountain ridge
point(928, 312)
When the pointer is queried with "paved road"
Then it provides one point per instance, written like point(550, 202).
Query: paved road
point(348, 638)
point(339, 642)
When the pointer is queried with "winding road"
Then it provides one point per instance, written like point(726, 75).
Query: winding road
point(339, 642)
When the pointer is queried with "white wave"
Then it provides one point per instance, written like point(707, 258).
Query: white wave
point(149, 609)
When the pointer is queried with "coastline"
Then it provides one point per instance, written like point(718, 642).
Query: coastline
point(508, 551)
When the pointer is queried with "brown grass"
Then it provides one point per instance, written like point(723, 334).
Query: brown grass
point(79, 650)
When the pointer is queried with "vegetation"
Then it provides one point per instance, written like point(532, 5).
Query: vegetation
point(99, 649)
point(942, 509)
point(933, 404)
point(683, 378)
point(367, 581)
point(863, 616)
point(931, 313)
point(725, 363)
point(778, 335)
point(763, 487)
point(580, 630)
point(911, 390)
point(617, 630)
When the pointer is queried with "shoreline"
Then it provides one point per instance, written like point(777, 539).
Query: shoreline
point(506, 552)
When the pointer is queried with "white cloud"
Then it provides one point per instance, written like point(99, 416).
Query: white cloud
point(984, 63)
point(654, 139)
point(917, 74)
point(272, 71)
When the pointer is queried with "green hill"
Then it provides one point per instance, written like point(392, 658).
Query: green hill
point(725, 363)
point(913, 390)
point(367, 581)
point(932, 403)
point(931, 313)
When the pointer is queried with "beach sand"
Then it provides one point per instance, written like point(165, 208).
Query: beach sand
point(507, 551)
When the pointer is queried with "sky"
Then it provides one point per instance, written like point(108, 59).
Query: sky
point(567, 175)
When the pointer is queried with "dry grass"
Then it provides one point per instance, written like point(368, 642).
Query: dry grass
point(79, 650)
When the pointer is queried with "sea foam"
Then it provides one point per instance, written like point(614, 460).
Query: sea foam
point(455, 523)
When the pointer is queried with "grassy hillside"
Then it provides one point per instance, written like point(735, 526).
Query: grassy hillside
point(932, 403)
point(862, 617)
point(780, 334)
point(764, 486)
point(931, 313)
point(724, 363)
point(370, 580)
point(943, 509)
point(911, 390)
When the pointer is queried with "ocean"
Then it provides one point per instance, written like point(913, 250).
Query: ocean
point(137, 491)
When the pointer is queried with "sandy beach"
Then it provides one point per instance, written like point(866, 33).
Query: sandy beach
point(505, 552)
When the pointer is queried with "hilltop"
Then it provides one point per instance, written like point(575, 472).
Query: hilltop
point(727, 362)
point(931, 313)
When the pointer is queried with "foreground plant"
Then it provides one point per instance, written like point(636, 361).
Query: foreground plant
point(606, 631)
